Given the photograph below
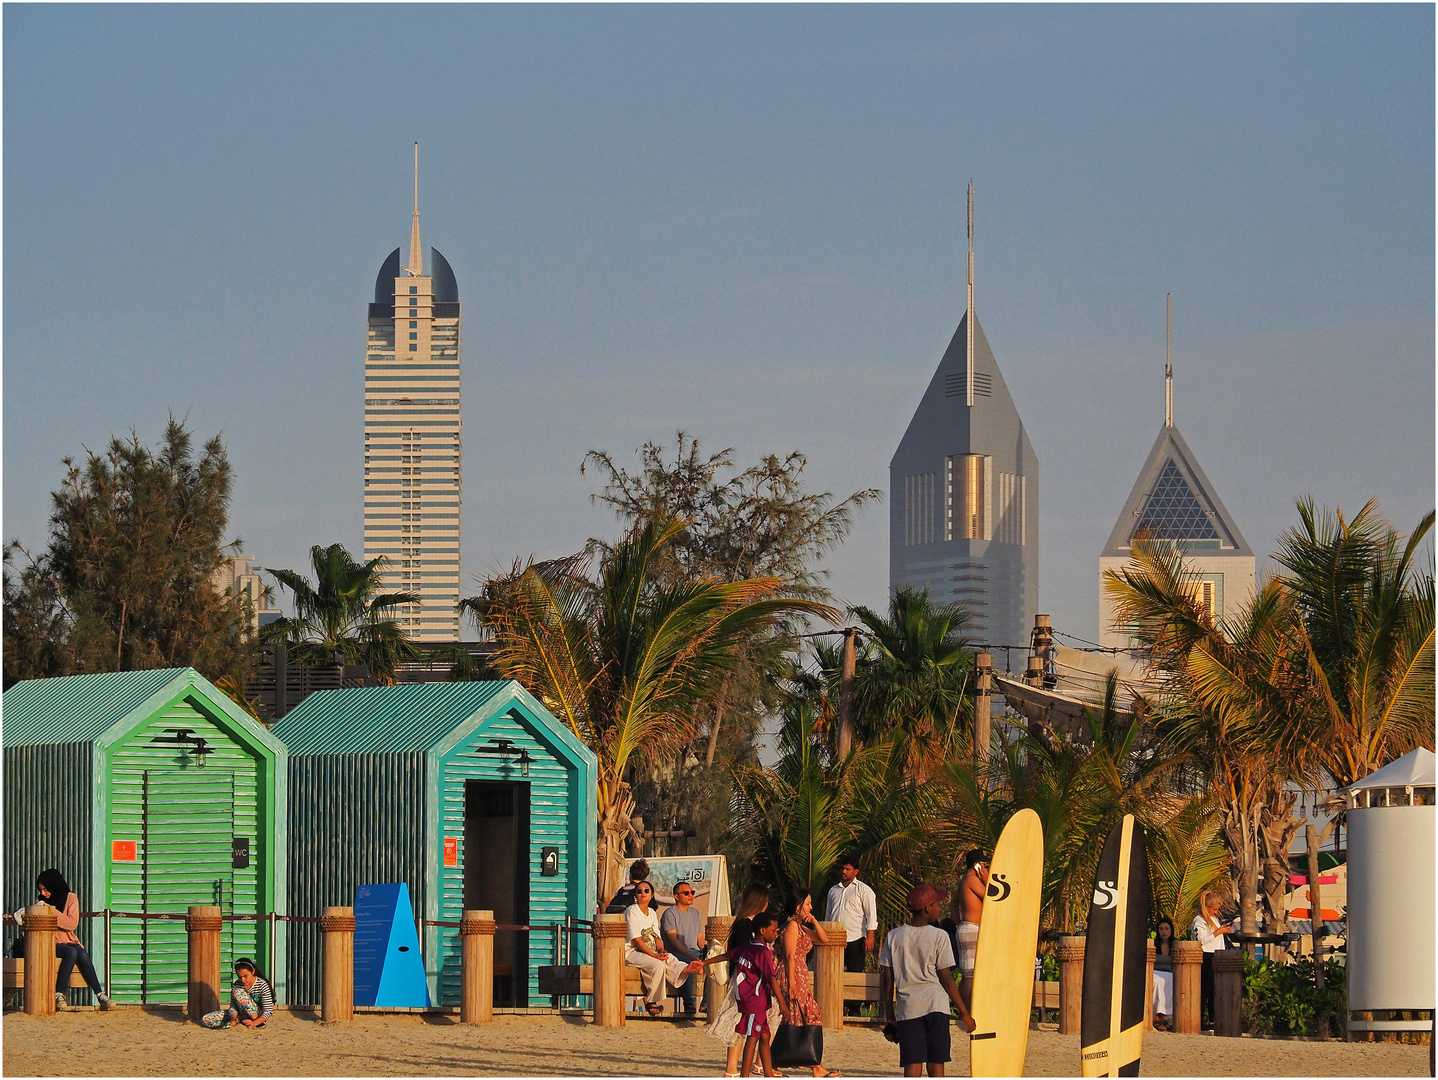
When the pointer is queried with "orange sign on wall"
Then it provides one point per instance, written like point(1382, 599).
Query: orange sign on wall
point(122, 851)
point(451, 851)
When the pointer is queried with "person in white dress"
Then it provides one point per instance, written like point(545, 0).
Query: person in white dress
point(753, 900)
point(644, 949)
point(1163, 974)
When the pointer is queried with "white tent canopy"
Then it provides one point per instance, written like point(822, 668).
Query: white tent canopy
point(1411, 770)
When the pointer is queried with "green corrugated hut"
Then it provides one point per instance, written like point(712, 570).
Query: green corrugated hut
point(146, 790)
point(473, 794)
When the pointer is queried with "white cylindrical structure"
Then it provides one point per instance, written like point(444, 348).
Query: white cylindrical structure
point(1391, 908)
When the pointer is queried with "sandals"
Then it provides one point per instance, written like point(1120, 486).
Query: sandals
point(653, 1008)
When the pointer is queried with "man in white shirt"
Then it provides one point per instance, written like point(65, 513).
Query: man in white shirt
point(852, 903)
point(914, 966)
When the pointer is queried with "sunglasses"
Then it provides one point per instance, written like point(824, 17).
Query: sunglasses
point(683, 892)
point(644, 892)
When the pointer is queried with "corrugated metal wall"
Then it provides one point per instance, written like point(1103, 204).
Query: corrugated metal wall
point(193, 815)
point(354, 819)
point(554, 804)
point(48, 792)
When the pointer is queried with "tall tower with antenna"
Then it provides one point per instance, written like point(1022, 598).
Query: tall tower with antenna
point(412, 488)
point(964, 490)
point(1174, 501)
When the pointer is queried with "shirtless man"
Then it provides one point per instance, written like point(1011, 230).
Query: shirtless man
point(968, 908)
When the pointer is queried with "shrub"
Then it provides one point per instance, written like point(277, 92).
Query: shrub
point(1281, 998)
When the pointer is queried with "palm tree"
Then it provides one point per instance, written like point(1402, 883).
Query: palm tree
point(1368, 619)
point(342, 617)
point(800, 817)
point(631, 660)
point(915, 677)
point(1235, 699)
point(1186, 856)
point(1078, 789)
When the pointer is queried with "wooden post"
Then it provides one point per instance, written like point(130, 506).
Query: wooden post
point(829, 976)
point(846, 691)
point(337, 997)
point(1228, 993)
point(1070, 984)
point(609, 935)
point(1148, 988)
point(476, 967)
point(1187, 987)
point(715, 929)
point(983, 702)
point(40, 965)
point(1315, 904)
point(203, 924)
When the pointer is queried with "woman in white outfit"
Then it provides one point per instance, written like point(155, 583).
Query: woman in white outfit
point(1163, 974)
point(644, 949)
point(1208, 932)
point(754, 899)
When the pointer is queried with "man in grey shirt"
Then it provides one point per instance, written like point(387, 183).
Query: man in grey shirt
point(683, 931)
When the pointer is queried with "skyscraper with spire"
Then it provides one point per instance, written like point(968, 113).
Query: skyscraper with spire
point(1173, 500)
point(964, 490)
point(412, 490)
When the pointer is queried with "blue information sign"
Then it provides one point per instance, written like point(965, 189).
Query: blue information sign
point(389, 970)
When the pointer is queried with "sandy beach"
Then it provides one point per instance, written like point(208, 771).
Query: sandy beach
point(130, 1042)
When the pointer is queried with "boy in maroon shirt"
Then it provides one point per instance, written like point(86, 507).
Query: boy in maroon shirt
point(752, 967)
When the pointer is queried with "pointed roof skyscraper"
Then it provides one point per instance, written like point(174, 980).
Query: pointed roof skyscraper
point(1173, 499)
point(964, 490)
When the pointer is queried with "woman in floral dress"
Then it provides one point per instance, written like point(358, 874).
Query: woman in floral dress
point(800, 932)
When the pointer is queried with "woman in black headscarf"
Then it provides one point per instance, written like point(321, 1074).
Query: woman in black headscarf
point(56, 892)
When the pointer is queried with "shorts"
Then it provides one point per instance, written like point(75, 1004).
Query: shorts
point(923, 1039)
point(967, 936)
point(752, 1023)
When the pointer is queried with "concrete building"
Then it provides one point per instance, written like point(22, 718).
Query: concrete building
point(964, 491)
point(412, 490)
point(1173, 500)
point(239, 577)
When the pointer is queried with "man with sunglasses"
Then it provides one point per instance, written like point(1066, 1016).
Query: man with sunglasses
point(645, 950)
point(683, 931)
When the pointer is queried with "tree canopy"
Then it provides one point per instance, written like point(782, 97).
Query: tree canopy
point(126, 581)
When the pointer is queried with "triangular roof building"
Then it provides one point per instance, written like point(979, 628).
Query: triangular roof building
point(1173, 499)
point(964, 493)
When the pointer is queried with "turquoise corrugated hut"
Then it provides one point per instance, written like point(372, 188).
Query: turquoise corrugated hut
point(149, 791)
point(472, 794)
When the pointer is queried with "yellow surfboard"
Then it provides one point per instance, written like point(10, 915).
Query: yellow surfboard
point(1008, 941)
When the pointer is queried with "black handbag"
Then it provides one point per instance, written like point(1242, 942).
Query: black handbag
point(798, 1045)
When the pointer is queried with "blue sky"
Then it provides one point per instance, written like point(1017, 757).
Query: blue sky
point(746, 222)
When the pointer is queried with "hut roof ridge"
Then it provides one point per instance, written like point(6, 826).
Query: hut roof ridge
point(408, 718)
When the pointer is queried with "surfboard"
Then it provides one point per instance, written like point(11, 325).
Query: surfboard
point(1008, 939)
point(1115, 963)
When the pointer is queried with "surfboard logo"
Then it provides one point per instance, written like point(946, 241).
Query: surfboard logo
point(999, 889)
point(1105, 894)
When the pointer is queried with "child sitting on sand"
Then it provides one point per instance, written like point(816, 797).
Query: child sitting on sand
point(252, 1001)
point(751, 966)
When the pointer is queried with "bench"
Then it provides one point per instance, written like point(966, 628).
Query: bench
point(15, 976)
point(571, 979)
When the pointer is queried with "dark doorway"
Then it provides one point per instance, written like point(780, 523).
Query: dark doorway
point(496, 877)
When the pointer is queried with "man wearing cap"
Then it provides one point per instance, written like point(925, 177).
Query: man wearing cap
point(914, 966)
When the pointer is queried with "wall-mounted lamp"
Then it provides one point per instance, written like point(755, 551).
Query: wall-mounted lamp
point(199, 748)
point(506, 749)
